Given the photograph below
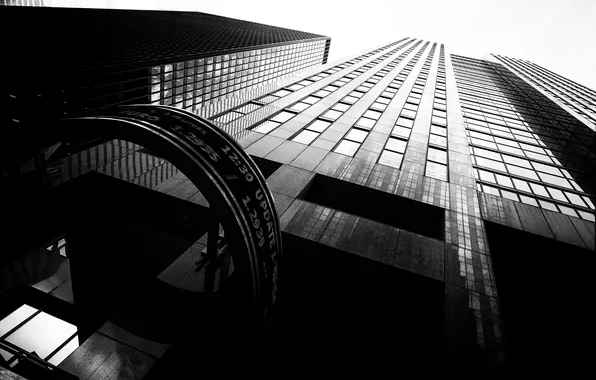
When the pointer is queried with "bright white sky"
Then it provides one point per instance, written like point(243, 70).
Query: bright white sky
point(559, 35)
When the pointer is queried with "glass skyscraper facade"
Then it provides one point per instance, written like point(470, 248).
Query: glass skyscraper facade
point(456, 178)
point(578, 100)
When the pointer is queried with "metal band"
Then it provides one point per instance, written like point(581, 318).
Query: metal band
point(226, 175)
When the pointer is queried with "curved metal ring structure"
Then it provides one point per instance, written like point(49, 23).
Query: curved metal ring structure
point(226, 175)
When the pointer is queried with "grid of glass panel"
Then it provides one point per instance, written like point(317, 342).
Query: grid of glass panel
point(393, 152)
point(580, 99)
point(354, 138)
point(309, 134)
point(197, 82)
point(436, 159)
point(519, 151)
point(311, 99)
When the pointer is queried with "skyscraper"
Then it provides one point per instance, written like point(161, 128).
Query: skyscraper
point(73, 61)
point(508, 171)
point(453, 199)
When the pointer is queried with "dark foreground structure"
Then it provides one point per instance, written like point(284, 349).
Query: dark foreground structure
point(437, 214)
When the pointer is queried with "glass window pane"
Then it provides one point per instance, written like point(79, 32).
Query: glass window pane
point(587, 215)
point(405, 122)
point(437, 140)
point(396, 145)
point(266, 127)
point(575, 199)
point(306, 137)
point(548, 205)
point(528, 200)
point(372, 114)
point(436, 170)
point(521, 185)
point(42, 334)
point(567, 210)
point(509, 195)
point(347, 147)
point(311, 100)
point(438, 130)
point(491, 164)
point(366, 123)
point(390, 158)
point(281, 93)
point(539, 189)
point(64, 351)
point(437, 155)
point(319, 125)
point(16, 317)
point(555, 180)
point(356, 135)
point(300, 106)
point(522, 172)
point(332, 114)
point(283, 116)
point(504, 181)
point(401, 131)
point(547, 169)
point(341, 107)
point(486, 176)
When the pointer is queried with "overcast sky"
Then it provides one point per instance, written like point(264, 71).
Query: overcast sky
point(558, 35)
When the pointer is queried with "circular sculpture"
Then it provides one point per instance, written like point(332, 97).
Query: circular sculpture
point(218, 166)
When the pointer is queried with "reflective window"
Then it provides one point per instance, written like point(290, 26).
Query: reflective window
point(522, 172)
point(319, 125)
point(347, 147)
point(306, 137)
point(283, 116)
point(436, 170)
point(404, 122)
point(300, 106)
point(390, 158)
point(365, 123)
point(43, 334)
point(357, 135)
point(332, 114)
point(437, 155)
point(266, 127)
point(396, 145)
point(341, 107)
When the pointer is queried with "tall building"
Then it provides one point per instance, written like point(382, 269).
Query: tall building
point(375, 145)
point(435, 208)
point(73, 61)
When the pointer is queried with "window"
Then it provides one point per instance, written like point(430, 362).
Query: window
point(390, 158)
point(319, 125)
point(437, 155)
point(332, 114)
point(357, 135)
point(300, 106)
point(306, 137)
point(372, 114)
point(365, 123)
point(283, 116)
point(436, 170)
point(396, 145)
point(405, 122)
point(266, 127)
point(522, 172)
point(347, 147)
point(408, 113)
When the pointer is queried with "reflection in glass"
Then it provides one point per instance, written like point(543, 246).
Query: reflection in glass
point(306, 137)
point(347, 147)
